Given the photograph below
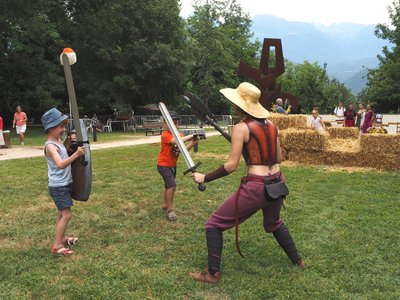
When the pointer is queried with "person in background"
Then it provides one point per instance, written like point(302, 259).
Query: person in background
point(1, 123)
point(339, 112)
point(279, 107)
point(350, 116)
point(19, 122)
point(368, 120)
point(96, 123)
point(360, 115)
point(316, 122)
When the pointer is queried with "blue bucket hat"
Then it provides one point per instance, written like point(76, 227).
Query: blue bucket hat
point(52, 118)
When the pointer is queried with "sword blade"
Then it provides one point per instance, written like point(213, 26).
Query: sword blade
point(181, 145)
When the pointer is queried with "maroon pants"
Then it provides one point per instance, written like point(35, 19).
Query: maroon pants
point(251, 199)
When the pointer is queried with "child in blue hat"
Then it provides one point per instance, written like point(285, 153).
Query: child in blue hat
point(60, 177)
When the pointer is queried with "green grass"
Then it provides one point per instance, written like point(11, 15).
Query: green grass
point(346, 227)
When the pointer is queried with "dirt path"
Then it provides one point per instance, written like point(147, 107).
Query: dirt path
point(25, 151)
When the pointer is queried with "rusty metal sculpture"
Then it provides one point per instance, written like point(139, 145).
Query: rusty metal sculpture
point(266, 75)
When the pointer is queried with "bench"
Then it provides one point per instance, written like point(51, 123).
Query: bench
point(153, 127)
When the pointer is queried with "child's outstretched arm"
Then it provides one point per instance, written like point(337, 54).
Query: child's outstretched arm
point(52, 151)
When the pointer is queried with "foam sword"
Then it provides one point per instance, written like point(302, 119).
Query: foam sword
point(181, 145)
point(68, 58)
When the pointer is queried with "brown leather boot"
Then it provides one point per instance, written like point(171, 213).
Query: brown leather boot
point(205, 276)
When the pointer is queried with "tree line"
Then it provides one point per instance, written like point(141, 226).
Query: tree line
point(131, 53)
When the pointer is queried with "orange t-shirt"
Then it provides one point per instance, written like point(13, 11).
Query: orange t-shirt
point(167, 156)
point(20, 118)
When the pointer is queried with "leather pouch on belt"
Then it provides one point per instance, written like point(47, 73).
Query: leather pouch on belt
point(275, 189)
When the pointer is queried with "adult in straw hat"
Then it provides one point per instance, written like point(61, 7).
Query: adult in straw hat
point(263, 187)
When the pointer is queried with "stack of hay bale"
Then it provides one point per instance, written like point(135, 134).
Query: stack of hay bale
point(339, 146)
point(381, 151)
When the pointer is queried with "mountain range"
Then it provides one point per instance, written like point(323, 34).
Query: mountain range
point(348, 49)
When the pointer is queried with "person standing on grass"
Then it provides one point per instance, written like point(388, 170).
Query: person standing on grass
point(349, 116)
point(19, 122)
point(166, 165)
point(60, 178)
point(256, 139)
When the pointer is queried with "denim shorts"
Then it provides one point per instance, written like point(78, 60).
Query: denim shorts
point(61, 196)
point(168, 174)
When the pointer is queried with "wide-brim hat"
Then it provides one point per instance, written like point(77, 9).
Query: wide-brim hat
point(52, 118)
point(247, 96)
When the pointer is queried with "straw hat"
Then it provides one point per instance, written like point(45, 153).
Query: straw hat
point(247, 96)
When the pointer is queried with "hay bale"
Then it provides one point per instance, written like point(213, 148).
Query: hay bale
point(288, 121)
point(381, 161)
point(302, 140)
point(342, 145)
point(309, 158)
point(380, 143)
point(343, 159)
point(343, 132)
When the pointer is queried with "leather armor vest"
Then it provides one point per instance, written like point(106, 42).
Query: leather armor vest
point(261, 149)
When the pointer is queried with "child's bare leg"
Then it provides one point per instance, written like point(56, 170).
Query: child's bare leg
point(165, 203)
point(63, 217)
point(169, 193)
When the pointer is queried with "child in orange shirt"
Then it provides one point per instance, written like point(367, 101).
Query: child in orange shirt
point(166, 165)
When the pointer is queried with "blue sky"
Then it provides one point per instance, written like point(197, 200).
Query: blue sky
point(315, 11)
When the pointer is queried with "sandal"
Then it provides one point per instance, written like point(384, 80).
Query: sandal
point(69, 241)
point(62, 251)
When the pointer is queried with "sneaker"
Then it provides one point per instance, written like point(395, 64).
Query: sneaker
point(172, 215)
point(206, 277)
point(22, 143)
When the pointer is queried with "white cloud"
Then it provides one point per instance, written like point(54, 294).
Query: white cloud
point(315, 11)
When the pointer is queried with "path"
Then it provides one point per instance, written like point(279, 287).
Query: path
point(25, 151)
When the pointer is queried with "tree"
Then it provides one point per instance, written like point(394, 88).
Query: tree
point(219, 36)
point(383, 84)
point(310, 82)
point(131, 52)
point(30, 44)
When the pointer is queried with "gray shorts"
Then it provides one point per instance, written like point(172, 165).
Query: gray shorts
point(168, 174)
point(61, 196)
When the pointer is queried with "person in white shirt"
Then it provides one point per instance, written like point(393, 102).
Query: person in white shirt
point(339, 111)
point(316, 122)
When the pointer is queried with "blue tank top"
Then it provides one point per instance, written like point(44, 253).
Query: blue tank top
point(57, 176)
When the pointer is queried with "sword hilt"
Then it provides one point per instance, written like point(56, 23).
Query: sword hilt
point(201, 186)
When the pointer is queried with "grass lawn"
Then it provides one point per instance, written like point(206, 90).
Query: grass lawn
point(346, 226)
